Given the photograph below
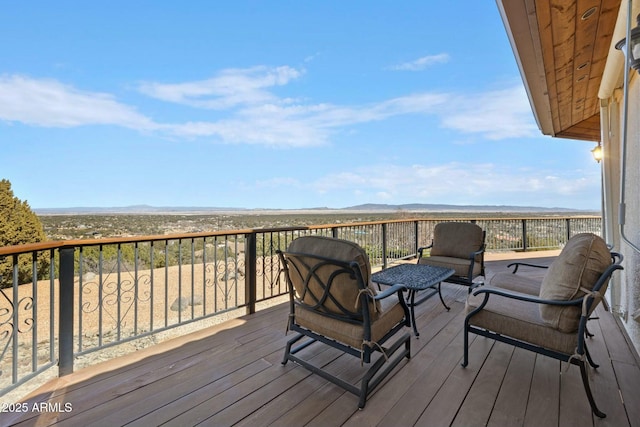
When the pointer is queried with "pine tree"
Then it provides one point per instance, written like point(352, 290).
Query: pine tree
point(18, 225)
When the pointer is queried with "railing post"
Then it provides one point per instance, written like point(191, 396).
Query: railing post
point(16, 318)
point(384, 245)
point(416, 230)
point(65, 358)
point(334, 232)
point(250, 265)
point(524, 235)
point(568, 221)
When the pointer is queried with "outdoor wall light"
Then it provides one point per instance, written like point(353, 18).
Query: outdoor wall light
point(634, 51)
point(597, 152)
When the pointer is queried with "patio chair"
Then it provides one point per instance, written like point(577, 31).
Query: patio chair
point(333, 302)
point(457, 245)
point(552, 323)
point(526, 284)
point(519, 264)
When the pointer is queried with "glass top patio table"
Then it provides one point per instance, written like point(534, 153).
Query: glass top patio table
point(415, 277)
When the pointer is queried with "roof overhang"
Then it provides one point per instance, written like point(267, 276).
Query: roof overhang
point(561, 48)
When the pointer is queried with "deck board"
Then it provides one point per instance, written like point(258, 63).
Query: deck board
point(432, 368)
point(477, 406)
point(544, 393)
point(511, 404)
point(231, 374)
point(442, 409)
point(629, 380)
point(574, 406)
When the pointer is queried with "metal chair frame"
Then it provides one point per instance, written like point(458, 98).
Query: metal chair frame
point(581, 351)
point(308, 270)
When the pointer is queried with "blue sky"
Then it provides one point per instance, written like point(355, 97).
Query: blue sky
point(274, 104)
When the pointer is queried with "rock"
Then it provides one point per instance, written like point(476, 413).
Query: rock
point(180, 304)
point(183, 302)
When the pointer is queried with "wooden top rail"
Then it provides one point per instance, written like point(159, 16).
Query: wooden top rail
point(60, 244)
point(29, 247)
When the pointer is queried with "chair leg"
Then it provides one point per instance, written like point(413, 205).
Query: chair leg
point(591, 362)
point(285, 359)
point(587, 389)
point(465, 358)
point(383, 366)
point(374, 376)
point(587, 333)
point(288, 351)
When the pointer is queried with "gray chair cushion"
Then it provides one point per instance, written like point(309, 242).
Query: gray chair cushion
point(581, 262)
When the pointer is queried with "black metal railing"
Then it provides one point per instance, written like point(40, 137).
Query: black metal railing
point(64, 299)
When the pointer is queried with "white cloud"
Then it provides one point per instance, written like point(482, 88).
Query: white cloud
point(300, 125)
point(421, 63)
point(279, 132)
point(230, 88)
point(49, 103)
point(498, 114)
point(256, 115)
point(249, 111)
point(330, 116)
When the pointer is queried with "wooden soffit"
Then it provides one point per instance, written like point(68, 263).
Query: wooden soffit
point(561, 47)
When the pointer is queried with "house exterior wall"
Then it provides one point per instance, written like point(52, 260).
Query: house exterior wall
point(624, 232)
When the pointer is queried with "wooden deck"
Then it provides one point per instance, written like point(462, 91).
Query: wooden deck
point(231, 374)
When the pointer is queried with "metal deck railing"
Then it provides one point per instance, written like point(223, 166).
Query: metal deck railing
point(64, 299)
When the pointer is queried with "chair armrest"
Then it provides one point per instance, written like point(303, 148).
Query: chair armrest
point(489, 290)
point(616, 257)
point(473, 255)
point(472, 260)
point(423, 248)
point(396, 289)
point(390, 291)
point(518, 264)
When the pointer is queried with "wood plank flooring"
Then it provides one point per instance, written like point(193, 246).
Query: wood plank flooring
point(231, 375)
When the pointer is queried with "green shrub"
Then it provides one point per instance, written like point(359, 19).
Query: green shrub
point(18, 226)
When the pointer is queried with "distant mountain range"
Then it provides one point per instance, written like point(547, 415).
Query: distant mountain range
point(368, 207)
